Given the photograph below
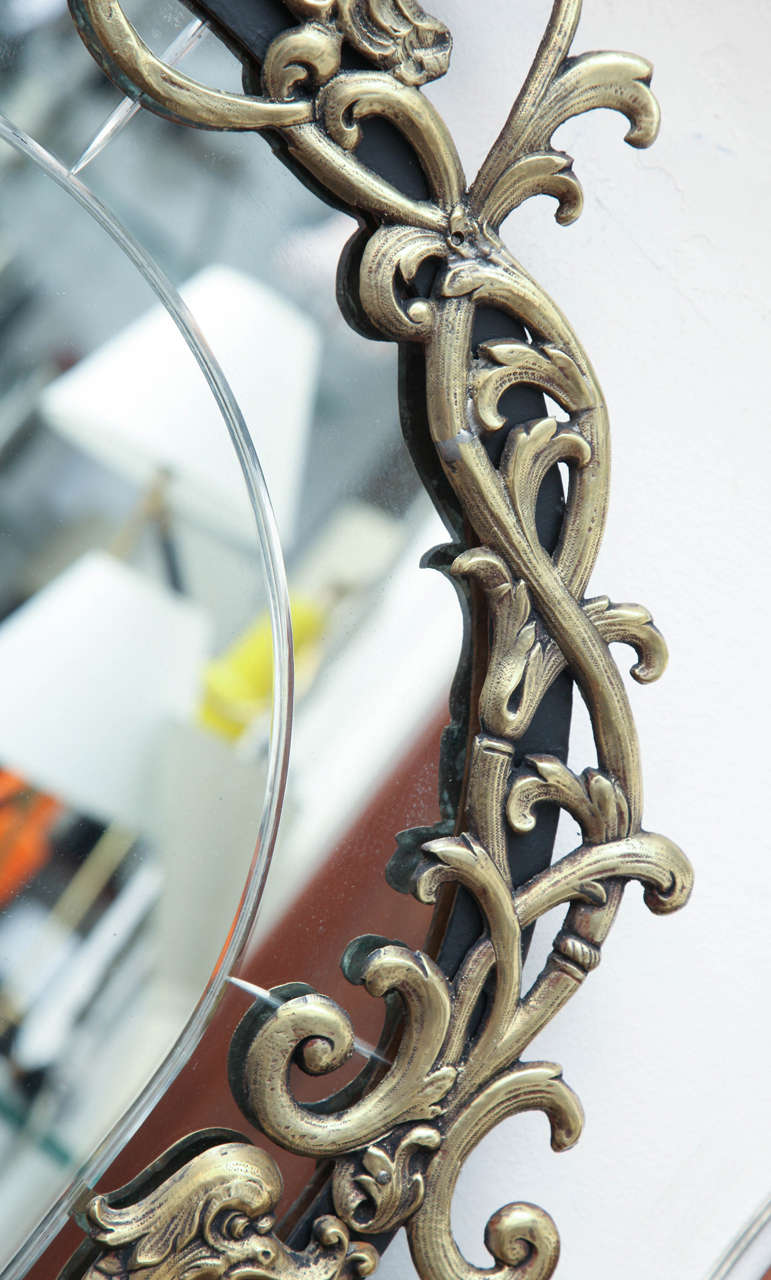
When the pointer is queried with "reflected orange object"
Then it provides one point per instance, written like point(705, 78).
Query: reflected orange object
point(26, 817)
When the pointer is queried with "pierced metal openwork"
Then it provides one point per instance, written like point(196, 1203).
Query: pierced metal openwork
point(418, 270)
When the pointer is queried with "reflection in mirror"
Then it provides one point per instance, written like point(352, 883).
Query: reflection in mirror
point(104, 662)
point(135, 641)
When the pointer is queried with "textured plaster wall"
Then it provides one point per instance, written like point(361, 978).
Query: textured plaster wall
point(667, 278)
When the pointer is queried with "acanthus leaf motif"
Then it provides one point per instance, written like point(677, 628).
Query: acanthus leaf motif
point(390, 1189)
point(516, 656)
point(523, 161)
point(510, 363)
point(214, 1217)
point(399, 36)
point(596, 802)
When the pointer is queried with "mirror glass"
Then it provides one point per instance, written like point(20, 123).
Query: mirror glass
point(130, 564)
point(138, 765)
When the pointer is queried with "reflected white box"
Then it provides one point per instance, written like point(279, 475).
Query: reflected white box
point(140, 403)
point(92, 668)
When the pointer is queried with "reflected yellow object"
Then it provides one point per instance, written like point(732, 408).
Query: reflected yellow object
point(237, 685)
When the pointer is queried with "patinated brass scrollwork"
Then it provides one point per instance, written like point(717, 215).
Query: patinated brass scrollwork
point(399, 1142)
point(211, 1217)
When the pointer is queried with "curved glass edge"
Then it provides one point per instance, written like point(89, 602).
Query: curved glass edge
point(731, 1262)
point(282, 693)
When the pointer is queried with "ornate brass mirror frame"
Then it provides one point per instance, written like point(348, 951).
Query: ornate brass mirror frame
point(422, 269)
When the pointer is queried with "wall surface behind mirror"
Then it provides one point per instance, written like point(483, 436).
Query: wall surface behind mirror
point(666, 278)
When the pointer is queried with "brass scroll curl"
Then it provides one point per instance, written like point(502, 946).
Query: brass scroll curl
point(399, 1142)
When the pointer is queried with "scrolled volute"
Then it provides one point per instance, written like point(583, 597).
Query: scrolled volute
point(316, 1032)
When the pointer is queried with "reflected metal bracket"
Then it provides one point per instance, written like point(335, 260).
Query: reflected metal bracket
point(427, 269)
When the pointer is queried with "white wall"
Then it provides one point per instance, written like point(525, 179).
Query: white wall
point(666, 277)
